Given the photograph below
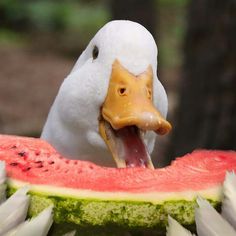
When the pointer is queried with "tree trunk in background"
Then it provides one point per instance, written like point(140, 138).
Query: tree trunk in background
point(206, 117)
point(141, 11)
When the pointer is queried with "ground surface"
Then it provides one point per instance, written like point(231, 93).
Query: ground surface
point(28, 85)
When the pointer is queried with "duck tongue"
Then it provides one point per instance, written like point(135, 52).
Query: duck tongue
point(132, 148)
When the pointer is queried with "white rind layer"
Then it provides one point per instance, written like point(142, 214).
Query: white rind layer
point(214, 193)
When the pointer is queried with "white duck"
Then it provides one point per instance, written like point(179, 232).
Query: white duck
point(112, 98)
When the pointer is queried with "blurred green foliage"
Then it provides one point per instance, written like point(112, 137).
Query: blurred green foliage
point(52, 15)
point(73, 16)
point(175, 3)
point(42, 17)
point(172, 22)
point(73, 23)
point(11, 38)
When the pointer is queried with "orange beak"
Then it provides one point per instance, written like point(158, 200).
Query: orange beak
point(129, 104)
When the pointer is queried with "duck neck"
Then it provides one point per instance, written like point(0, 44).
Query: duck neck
point(73, 143)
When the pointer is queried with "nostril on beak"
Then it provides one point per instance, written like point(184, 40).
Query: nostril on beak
point(161, 131)
point(122, 91)
point(149, 94)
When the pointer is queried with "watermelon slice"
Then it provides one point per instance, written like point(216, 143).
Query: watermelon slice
point(86, 194)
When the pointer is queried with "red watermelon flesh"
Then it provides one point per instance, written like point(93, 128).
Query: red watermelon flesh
point(36, 162)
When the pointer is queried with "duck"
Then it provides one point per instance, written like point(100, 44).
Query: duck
point(111, 106)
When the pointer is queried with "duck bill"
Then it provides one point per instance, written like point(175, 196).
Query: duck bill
point(127, 113)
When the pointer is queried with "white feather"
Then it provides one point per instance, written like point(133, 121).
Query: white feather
point(2, 182)
point(38, 226)
point(176, 229)
point(229, 201)
point(72, 233)
point(13, 211)
point(2, 193)
point(2, 172)
point(209, 222)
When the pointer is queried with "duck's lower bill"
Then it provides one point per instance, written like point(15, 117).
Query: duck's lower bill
point(127, 145)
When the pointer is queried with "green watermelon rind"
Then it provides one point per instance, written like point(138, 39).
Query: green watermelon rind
point(134, 213)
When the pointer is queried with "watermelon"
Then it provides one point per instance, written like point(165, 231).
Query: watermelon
point(89, 195)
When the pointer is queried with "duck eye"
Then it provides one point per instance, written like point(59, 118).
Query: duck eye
point(95, 52)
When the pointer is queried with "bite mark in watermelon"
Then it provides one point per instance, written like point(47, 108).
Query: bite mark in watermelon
point(87, 194)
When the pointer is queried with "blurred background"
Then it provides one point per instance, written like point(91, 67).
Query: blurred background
point(40, 41)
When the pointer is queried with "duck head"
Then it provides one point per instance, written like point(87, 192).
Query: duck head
point(112, 103)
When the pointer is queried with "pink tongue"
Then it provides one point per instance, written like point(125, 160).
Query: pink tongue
point(135, 153)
